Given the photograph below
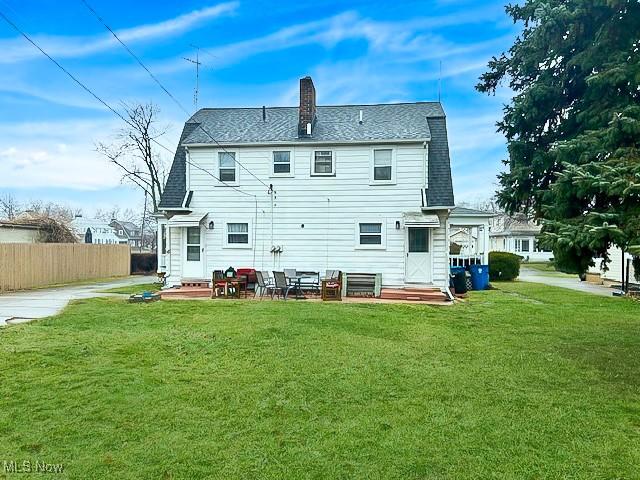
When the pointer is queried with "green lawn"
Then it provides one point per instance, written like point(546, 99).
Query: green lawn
point(526, 381)
point(539, 266)
point(134, 289)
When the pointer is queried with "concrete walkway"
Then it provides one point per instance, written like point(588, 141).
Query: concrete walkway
point(558, 279)
point(23, 306)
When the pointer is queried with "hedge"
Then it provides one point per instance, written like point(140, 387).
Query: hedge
point(503, 266)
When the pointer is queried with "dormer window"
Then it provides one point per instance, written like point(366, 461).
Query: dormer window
point(323, 163)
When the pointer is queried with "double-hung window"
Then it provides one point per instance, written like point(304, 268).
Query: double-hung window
point(323, 163)
point(282, 163)
point(382, 166)
point(237, 235)
point(227, 167)
point(370, 235)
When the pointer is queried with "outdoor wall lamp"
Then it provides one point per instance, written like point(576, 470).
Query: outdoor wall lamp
point(211, 225)
point(397, 224)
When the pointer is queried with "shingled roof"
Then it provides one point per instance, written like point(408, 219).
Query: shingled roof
point(335, 124)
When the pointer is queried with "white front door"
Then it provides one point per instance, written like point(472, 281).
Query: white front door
point(418, 260)
point(193, 253)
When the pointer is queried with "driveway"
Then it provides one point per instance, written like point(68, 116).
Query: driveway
point(23, 306)
point(558, 279)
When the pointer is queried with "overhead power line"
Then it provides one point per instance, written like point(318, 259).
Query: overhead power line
point(103, 102)
point(155, 79)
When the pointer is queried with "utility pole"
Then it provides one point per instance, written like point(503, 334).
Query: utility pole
point(197, 64)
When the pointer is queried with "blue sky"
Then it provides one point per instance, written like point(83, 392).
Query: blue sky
point(253, 54)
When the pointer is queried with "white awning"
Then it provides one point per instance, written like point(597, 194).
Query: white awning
point(192, 219)
point(420, 220)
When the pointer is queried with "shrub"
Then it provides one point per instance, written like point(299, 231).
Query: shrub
point(503, 266)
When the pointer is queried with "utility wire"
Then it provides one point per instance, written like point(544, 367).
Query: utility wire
point(109, 107)
point(155, 79)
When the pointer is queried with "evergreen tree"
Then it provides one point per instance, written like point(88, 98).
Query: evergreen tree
point(573, 125)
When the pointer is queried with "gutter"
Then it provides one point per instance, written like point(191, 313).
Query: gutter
point(294, 143)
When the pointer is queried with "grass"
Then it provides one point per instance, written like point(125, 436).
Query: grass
point(134, 289)
point(526, 381)
point(539, 266)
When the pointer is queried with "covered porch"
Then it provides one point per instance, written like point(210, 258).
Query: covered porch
point(468, 237)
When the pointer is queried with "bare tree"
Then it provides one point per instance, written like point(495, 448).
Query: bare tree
point(59, 212)
point(134, 153)
point(9, 206)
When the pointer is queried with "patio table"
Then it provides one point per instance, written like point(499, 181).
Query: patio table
point(233, 286)
point(296, 282)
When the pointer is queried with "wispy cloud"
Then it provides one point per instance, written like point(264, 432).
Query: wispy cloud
point(16, 49)
point(405, 37)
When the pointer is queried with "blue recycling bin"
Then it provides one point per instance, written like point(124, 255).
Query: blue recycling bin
point(479, 276)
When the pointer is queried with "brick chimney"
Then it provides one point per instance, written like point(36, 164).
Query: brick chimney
point(307, 112)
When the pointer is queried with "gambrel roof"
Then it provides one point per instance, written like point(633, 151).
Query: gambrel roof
point(335, 124)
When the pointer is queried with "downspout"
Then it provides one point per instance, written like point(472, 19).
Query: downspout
point(187, 169)
point(425, 170)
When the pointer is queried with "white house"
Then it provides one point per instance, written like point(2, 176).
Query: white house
point(359, 188)
point(91, 230)
point(518, 235)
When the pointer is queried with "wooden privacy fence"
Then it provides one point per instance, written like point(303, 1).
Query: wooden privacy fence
point(29, 265)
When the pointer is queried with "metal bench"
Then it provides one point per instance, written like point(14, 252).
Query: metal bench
point(362, 284)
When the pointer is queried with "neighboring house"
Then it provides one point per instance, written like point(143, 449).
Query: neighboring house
point(127, 232)
point(614, 272)
point(359, 188)
point(11, 232)
point(517, 234)
point(91, 230)
point(33, 228)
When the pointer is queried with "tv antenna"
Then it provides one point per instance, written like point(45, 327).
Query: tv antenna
point(440, 82)
point(197, 64)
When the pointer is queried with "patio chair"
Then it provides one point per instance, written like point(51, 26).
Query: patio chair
point(217, 284)
point(332, 287)
point(262, 286)
point(331, 275)
point(281, 286)
point(290, 273)
point(268, 279)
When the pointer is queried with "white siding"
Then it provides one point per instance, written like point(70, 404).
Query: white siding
point(175, 255)
point(614, 272)
point(440, 256)
point(328, 207)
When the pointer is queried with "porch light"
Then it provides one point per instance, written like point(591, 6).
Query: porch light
point(397, 224)
point(211, 225)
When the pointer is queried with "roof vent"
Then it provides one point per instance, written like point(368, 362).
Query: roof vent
point(308, 129)
point(360, 121)
point(264, 113)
